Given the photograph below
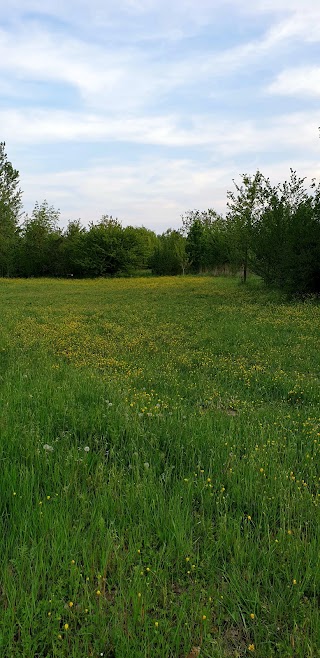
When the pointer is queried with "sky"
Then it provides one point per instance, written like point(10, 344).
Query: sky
point(145, 109)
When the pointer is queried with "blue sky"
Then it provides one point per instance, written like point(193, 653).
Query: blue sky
point(144, 109)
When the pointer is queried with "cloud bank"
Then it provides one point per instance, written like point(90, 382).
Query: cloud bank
point(144, 109)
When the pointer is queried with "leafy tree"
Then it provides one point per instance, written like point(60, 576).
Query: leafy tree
point(245, 206)
point(205, 217)
point(105, 252)
point(10, 209)
point(287, 238)
point(181, 252)
point(206, 244)
point(269, 240)
point(138, 244)
point(143, 244)
point(41, 241)
point(169, 256)
point(301, 267)
point(196, 246)
point(73, 249)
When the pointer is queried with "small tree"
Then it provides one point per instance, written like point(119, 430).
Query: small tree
point(73, 249)
point(41, 240)
point(269, 242)
point(205, 239)
point(10, 209)
point(285, 245)
point(105, 252)
point(245, 207)
point(196, 246)
point(169, 256)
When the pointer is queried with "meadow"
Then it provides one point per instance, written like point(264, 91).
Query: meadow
point(160, 480)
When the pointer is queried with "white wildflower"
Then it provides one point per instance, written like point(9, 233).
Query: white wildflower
point(48, 448)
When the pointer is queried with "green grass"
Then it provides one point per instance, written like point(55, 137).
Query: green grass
point(193, 518)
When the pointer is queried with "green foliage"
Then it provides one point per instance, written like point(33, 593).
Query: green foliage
point(245, 207)
point(206, 244)
point(196, 246)
point(104, 249)
point(73, 249)
point(286, 239)
point(169, 255)
point(301, 271)
point(40, 242)
point(110, 249)
point(139, 244)
point(10, 209)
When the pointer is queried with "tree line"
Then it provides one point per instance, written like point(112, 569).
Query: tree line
point(270, 230)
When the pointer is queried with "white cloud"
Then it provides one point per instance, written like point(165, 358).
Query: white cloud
point(279, 6)
point(298, 81)
point(153, 193)
point(126, 78)
point(112, 61)
point(36, 54)
point(39, 126)
point(123, 74)
point(210, 132)
point(155, 190)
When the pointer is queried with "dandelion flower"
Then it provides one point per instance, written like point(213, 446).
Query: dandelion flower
point(48, 448)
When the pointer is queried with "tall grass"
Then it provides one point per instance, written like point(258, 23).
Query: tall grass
point(159, 470)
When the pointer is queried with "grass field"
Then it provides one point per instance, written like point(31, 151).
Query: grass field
point(160, 479)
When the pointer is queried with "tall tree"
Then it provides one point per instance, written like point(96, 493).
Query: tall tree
point(105, 253)
point(245, 206)
point(206, 239)
point(139, 244)
point(287, 238)
point(169, 255)
point(10, 209)
point(73, 249)
point(40, 243)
